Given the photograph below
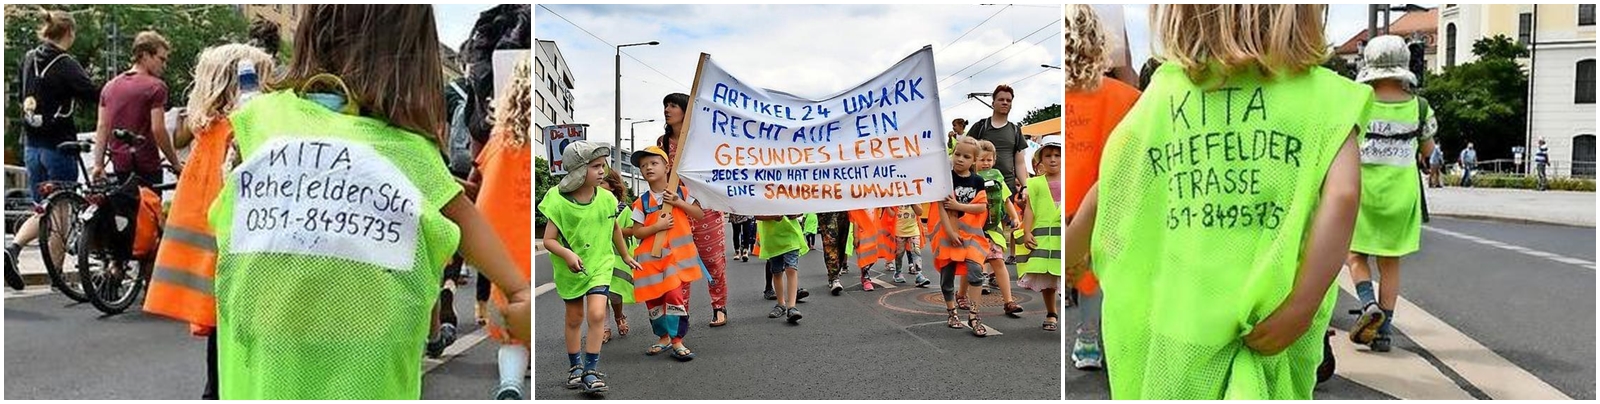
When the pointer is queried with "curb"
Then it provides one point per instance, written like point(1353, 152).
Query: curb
point(1514, 220)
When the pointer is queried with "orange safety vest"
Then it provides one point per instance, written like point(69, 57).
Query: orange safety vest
point(186, 262)
point(874, 240)
point(507, 194)
point(679, 266)
point(971, 243)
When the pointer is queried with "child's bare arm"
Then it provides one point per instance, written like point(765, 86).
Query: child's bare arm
point(691, 209)
point(1011, 212)
point(552, 243)
point(944, 223)
point(482, 248)
point(1328, 243)
point(1081, 226)
point(622, 247)
point(1027, 229)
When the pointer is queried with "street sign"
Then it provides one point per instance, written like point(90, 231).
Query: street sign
point(556, 138)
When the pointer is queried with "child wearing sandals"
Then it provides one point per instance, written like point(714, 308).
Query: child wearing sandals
point(1034, 273)
point(664, 294)
point(959, 244)
point(585, 242)
point(998, 226)
point(622, 277)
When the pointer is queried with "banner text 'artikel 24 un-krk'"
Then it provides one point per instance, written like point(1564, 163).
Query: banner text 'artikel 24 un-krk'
point(755, 151)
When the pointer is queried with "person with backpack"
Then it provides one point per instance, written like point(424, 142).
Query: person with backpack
point(1399, 132)
point(53, 86)
point(1005, 135)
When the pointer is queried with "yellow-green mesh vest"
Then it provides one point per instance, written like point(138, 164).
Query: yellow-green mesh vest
point(586, 230)
point(622, 276)
point(1205, 199)
point(331, 247)
point(1046, 258)
point(779, 237)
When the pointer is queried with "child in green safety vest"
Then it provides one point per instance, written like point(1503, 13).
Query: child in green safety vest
point(582, 236)
point(1224, 207)
point(997, 228)
point(782, 245)
point(621, 290)
point(1041, 222)
point(1389, 223)
point(335, 223)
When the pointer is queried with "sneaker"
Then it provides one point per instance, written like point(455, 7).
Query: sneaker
point(1367, 324)
point(898, 278)
point(866, 284)
point(801, 294)
point(1379, 344)
point(777, 310)
point(1086, 355)
point(922, 281)
point(509, 391)
point(835, 287)
point(13, 276)
point(794, 316)
point(769, 295)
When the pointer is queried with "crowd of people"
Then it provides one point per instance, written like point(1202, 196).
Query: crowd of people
point(285, 286)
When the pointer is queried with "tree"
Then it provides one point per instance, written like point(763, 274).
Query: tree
point(542, 181)
point(1042, 114)
point(1484, 102)
point(188, 28)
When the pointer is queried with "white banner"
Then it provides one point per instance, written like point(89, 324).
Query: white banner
point(556, 139)
point(755, 151)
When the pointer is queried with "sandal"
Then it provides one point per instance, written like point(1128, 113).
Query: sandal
point(1012, 308)
point(575, 377)
point(723, 322)
point(977, 325)
point(604, 338)
point(622, 326)
point(682, 354)
point(962, 303)
point(954, 321)
point(1049, 322)
point(595, 386)
point(657, 349)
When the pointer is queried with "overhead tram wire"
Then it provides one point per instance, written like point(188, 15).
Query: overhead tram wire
point(608, 43)
point(1041, 40)
point(974, 28)
point(996, 51)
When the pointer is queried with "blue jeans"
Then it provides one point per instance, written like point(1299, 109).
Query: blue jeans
point(47, 164)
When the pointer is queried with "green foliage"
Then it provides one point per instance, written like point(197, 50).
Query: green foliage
point(542, 183)
point(1042, 114)
point(1523, 182)
point(1484, 102)
point(189, 28)
point(1340, 66)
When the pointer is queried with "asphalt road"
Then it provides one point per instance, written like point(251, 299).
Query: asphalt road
point(1509, 300)
point(56, 349)
point(890, 343)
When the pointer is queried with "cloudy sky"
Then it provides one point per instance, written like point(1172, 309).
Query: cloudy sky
point(1343, 21)
point(805, 50)
point(455, 21)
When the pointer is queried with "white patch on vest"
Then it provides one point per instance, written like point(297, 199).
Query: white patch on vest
point(329, 198)
point(1389, 151)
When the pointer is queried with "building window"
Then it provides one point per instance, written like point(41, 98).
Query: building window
point(1585, 14)
point(1583, 93)
point(1524, 28)
point(1450, 45)
point(1583, 156)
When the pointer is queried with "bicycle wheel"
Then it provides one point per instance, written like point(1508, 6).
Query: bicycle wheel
point(62, 243)
point(112, 291)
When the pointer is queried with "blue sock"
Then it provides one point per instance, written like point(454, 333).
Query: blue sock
point(590, 360)
point(1364, 292)
point(1388, 317)
point(572, 358)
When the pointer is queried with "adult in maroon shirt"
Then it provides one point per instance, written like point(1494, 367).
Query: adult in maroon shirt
point(132, 107)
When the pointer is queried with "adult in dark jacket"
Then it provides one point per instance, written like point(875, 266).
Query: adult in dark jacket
point(53, 87)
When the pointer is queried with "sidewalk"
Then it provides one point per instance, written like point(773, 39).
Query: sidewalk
point(1553, 207)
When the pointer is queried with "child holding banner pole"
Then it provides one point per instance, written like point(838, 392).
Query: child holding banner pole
point(959, 246)
point(661, 218)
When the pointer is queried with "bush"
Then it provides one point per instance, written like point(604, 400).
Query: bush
point(1522, 182)
point(542, 182)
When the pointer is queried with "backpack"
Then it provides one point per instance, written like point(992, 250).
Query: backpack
point(30, 89)
point(459, 140)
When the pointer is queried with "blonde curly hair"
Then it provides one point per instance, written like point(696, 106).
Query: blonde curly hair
point(512, 109)
point(1086, 50)
point(215, 88)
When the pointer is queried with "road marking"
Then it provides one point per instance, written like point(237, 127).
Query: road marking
point(1484, 369)
point(455, 349)
point(883, 284)
point(543, 288)
point(1399, 373)
point(1515, 248)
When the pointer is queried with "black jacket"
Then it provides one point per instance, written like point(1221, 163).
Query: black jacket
point(56, 90)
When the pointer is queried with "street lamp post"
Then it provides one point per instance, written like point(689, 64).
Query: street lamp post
point(615, 153)
point(632, 136)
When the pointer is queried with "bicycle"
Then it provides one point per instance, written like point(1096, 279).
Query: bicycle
point(80, 209)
